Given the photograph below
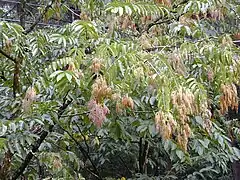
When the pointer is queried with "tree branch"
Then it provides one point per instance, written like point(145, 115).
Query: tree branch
point(16, 76)
point(145, 155)
point(30, 154)
point(35, 147)
point(8, 56)
point(157, 23)
point(6, 165)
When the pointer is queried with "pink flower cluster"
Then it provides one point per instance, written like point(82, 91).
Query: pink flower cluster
point(97, 112)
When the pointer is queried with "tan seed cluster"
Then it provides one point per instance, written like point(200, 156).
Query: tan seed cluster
point(210, 75)
point(207, 115)
point(165, 124)
point(164, 2)
point(84, 16)
point(29, 99)
point(71, 67)
point(213, 14)
point(183, 136)
point(119, 108)
point(57, 163)
point(216, 14)
point(122, 103)
point(100, 89)
point(127, 102)
point(8, 45)
point(97, 112)
point(184, 102)
point(78, 72)
point(125, 22)
point(139, 72)
point(146, 19)
point(228, 98)
point(96, 65)
point(227, 41)
point(145, 41)
point(168, 126)
point(116, 97)
point(177, 64)
point(186, 20)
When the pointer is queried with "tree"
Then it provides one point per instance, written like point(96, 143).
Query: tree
point(132, 89)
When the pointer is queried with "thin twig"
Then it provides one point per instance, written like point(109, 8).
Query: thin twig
point(76, 114)
point(84, 138)
point(92, 173)
point(153, 68)
point(124, 163)
point(72, 11)
point(83, 151)
point(157, 23)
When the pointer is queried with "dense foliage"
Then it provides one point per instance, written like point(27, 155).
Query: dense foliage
point(130, 90)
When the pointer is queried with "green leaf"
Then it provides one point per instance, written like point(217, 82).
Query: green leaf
point(180, 154)
point(120, 11)
point(60, 76)
point(12, 127)
point(2, 142)
point(18, 148)
point(3, 130)
point(205, 142)
point(199, 120)
point(55, 74)
point(69, 77)
point(152, 100)
point(236, 151)
point(199, 150)
point(152, 130)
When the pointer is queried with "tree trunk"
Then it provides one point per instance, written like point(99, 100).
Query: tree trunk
point(236, 170)
point(143, 153)
point(16, 77)
point(22, 13)
point(235, 115)
point(235, 164)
